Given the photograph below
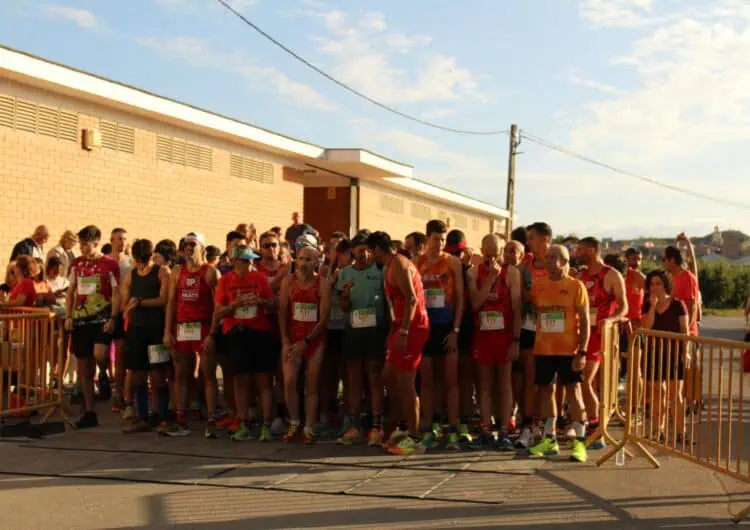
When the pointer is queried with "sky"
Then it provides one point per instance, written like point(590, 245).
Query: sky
point(657, 88)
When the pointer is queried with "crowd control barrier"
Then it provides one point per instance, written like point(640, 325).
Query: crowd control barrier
point(709, 426)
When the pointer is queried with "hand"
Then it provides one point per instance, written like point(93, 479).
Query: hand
point(653, 300)
point(68, 324)
point(494, 269)
point(132, 304)
point(451, 342)
point(208, 345)
point(579, 363)
point(109, 326)
point(168, 340)
point(513, 352)
point(347, 291)
point(681, 236)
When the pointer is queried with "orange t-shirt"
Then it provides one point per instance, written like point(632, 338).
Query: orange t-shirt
point(557, 323)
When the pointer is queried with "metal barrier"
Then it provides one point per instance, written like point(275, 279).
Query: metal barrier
point(31, 348)
point(712, 428)
point(609, 379)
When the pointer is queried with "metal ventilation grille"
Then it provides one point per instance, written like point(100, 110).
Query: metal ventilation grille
point(392, 204)
point(461, 221)
point(177, 151)
point(245, 167)
point(39, 119)
point(420, 211)
point(117, 136)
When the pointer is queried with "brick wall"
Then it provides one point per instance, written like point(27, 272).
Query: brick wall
point(56, 182)
point(377, 203)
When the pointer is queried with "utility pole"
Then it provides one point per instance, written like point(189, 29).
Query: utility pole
point(515, 141)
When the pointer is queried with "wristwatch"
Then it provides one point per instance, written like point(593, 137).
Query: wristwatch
point(581, 353)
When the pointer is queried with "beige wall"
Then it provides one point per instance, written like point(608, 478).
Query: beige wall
point(56, 182)
point(399, 213)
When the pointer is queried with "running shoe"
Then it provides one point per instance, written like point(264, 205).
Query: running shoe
point(598, 444)
point(176, 430)
point(225, 422)
point(394, 438)
point(291, 434)
point(88, 420)
point(407, 446)
point(351, 436)
point(571, 433)
point(346, 425)
point(211, 430)
point(278, 427)
point(128, 413)
point(504, 443)
point(117, 403)
point(375, 437)
point(265, 434)
point(136, 426)
point(547, 447)
point(429, 439)
point(242, 434)
point(485, 440)
point(452, 442)
point(234, 425)
point(463, 433)
point(524, 440)
point(512, 426)
point(308, 436)
point(578, 451)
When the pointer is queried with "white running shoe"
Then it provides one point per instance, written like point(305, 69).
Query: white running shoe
point(524, 441)
point(278, 427)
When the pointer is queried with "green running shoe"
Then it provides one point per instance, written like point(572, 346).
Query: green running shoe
point(547, 447)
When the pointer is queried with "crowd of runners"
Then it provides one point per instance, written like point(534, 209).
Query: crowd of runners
point(406, 345)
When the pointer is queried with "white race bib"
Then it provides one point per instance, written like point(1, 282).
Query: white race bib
point(529, 323)
point(435, 298)
point(364, 318)
point(246, 312)
point(188, 332)
point(552, 322)
point(88, 285)
point(305, 312)
point(491, 321)
point(158, 354)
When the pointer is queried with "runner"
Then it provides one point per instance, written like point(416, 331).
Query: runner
point(234, 239)
point(533, 267)
point(512, 257)
point(562, 309)
point(606, 293)
point(362, 300)
point(635, 283)
point(145, 291)
point(91, 308)
point(304, 305)
point(410, 329)
point(495, 292)
point(120, 393)
point(444, 293)
point(244, 300)
point(415, 243)
point(187, 331)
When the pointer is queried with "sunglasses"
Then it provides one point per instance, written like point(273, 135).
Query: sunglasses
point(190, 244)
point(267, 246)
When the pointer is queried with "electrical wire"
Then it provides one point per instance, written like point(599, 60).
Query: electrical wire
point(354, 90)
point(553, 147)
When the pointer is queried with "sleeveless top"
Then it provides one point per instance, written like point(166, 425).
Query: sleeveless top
point(397, 302)
point(496, 313)
point(439, 288)
point(304, 308)
point(601, 303)
point(145, 287)
point(194, 303)
point(634, 295)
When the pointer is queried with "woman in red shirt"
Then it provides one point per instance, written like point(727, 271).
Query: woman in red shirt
point(23, 293)
point(303, 319)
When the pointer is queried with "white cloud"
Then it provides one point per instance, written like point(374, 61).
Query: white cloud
point(692, 84)
point(200, 54)
point(364, 53)
point(576, 79)
point(616, 13)
point(81, 17)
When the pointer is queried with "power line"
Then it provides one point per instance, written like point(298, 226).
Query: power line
point(544, 143)
point(353, 90)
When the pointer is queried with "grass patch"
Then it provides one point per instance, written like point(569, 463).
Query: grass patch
point(723, 312)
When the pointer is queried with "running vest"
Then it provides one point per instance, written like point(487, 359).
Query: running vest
point(634, 295)
point(439, 288)
point(145, 287)
point(602, 304)
point(397, 302)
point(496, 313)
point(194, 303)
point(304, 308)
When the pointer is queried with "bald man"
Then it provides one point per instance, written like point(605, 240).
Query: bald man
point(32, 246)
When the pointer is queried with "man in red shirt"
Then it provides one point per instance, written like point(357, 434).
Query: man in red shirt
point(243, 300)
point(684, 285)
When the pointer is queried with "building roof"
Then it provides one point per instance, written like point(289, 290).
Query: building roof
point(353, 162)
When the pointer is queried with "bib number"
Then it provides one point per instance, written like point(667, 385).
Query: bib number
point(553, 322)
point(305, 312)
point(491, 321)
point(189, 332)
point(529, 323)
point(158, 354)
point(435, 298)
point(247, 312)
point(88, 285)
point(364, 318)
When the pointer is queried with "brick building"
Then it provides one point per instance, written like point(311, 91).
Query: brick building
point(72, 142)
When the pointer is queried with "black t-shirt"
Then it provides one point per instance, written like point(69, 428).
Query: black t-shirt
point(295, 231)
point(668, 321)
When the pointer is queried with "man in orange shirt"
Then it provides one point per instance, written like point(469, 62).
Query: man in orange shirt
point(684, 285)
point(561, 305)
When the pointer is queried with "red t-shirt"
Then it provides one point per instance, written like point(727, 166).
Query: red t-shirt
point(685, 289)
point(26, 288)
point(231, 286)
point(94, 280)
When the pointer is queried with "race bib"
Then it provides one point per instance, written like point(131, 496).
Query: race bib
point(435, 298)
point(189, 332)
point(246, 312)
point(592, 316)
point(491, 321)
point(305, 312)
point(529, 323)
point(158, 354)
point(88, 285)
point(552, 322)
point(364, 318)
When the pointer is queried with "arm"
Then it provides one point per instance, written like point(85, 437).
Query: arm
point(458, 283)
point(647, 322)
point(125, 289)
point(161, 300)
point(513, 279)
point(404, 281)
point(684, 324)
point(692, 303)
point(344, 288)
point(284, 311)
point(323, 313)
point(583, 314)
point(474, 298)
point(615, 284)
point(171, 300)
point(690, 261)
point(480, 295)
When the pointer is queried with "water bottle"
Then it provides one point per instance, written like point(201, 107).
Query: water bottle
point(620, 458)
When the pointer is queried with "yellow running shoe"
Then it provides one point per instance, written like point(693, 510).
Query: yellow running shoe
point(548, 447)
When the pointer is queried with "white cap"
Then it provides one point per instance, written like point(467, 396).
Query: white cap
point(196, 237)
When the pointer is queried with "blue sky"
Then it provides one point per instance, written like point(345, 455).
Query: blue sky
point(658, 88)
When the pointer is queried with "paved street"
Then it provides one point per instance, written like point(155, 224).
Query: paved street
point(102, 479)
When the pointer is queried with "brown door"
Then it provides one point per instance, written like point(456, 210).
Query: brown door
point(327, 210)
